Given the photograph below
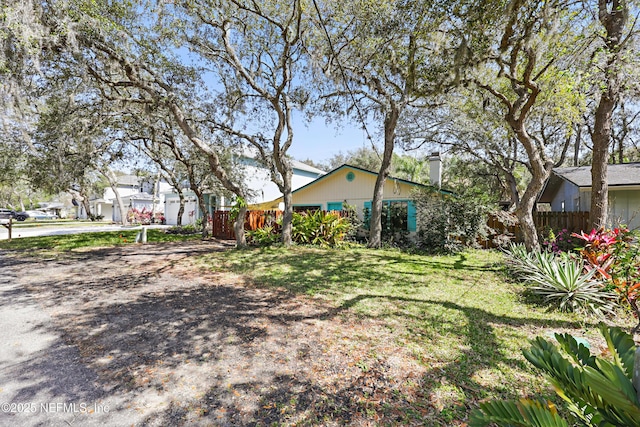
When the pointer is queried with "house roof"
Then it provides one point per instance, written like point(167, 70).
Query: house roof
point(270, 204)
point(127, 180)
point(618, 175)
point(366, 171)
point(138, 196)
point(305, 167)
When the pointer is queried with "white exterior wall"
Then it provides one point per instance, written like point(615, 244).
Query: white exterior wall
point(258, 180)
point(624, 204)
point(172, 205)
point(569, 195)
point(123, 191)
point(624, 208)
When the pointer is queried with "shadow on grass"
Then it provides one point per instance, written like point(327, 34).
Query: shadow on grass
point(249, 347)
point(65, 242)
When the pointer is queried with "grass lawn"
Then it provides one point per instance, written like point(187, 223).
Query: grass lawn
point(460, 316)
point(89, 240)
point(424, 338)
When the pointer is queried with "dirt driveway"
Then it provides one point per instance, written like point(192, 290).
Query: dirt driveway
point(135, 336)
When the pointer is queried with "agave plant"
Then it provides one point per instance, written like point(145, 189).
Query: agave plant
point(561, 280)
point(598, 392)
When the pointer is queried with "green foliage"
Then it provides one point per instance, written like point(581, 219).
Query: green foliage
point(67, 242)
point(264, 236)
point(235, 209)
point(523, 413)
point(615, 257)
point(318, 228)
point(598, 392)
point(561, 280)
point(448, 224)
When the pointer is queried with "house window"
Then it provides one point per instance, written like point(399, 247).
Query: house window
point(397, 215)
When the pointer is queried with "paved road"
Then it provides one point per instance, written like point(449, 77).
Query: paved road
point(42, 379)
point(53, 230)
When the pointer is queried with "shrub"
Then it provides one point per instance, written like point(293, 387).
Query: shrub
point(562, 241)
point(616, 260)
point(320, 228)
point(264, 236)
point(598, 392)
point(308, 228)
point(449, 223)
point(139, 216)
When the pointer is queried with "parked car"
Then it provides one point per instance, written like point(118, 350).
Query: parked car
point(21, 216)
point(40, 215)
point(7, 213)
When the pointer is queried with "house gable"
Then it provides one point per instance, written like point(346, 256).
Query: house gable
point(353, 185)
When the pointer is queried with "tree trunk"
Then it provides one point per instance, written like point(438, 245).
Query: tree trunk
point(113, 183)
point(375, 224)
point(540, 172)
point(524, 213)
point(86, 204)
point(123, 210)
point(287, 215)
point(576, 148)
point(180, 208)
point(599, 186)
point(238, 226)
point(156, 196)
point(513, 189)
point(206, 229)
point(614, 22)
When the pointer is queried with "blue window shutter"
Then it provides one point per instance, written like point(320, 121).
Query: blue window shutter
point(366, 217)
point(411, 216)
point(334, 206)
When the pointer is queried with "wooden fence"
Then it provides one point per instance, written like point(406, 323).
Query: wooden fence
point(573, 222)
point(223, 225)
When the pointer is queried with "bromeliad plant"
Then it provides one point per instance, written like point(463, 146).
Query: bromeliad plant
point(616, 260)
point(598, 392)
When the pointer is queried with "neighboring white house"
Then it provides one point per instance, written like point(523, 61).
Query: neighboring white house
point(191, 209)
point(257, 180)
point(569, 190)
point(134, 192)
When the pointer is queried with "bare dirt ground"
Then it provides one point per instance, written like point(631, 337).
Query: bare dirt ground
point(165, 344)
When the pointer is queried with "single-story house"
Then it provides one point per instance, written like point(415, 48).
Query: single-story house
point(569, 190)
point(354, 186)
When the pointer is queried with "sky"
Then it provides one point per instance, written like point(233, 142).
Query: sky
point(319, 141)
